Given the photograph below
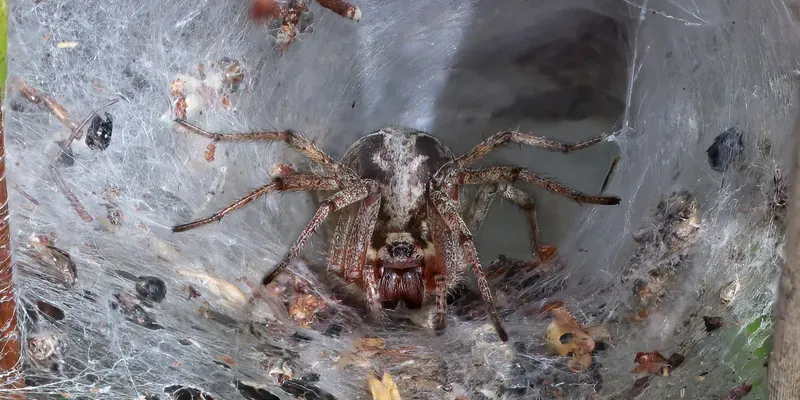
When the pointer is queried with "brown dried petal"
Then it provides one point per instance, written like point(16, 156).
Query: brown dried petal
point(384, 389)
point(652, 363)
point(563, 324)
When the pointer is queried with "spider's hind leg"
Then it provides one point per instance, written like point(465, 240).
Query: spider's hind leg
point(477, 210)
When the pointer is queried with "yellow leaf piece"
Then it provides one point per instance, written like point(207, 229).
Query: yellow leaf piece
point(568, 338)
point(384, 389)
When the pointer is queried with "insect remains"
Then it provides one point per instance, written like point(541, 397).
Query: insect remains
point(400, 234)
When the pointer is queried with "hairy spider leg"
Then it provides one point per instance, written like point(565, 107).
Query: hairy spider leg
point(447, 264)
point(448, 210)
point(511, 174)
point(337, 201)
point(499, 139)
point(289, 183)
point(293, 139)
point(365, 227)
point(475, 214)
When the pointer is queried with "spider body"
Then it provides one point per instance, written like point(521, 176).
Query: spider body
point(401, 252)
point(399, 232)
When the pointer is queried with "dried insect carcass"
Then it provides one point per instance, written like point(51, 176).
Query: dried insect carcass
point(400, 236)
point(289, 15)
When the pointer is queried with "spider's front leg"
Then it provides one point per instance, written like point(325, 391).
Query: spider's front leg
point(337, 201)
point(447, 208)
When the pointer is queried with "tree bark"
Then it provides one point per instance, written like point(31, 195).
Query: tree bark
point(783, 375)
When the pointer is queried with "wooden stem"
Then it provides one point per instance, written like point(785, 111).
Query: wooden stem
point(783, 375)
point(9, 335)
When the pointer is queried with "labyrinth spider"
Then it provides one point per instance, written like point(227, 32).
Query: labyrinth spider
point(401, 236)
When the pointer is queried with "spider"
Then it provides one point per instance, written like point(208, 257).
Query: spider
point(401, 236)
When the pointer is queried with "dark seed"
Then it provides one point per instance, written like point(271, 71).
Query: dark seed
point(333, 331)
point(712, 323)
point(305, 390)
point(63, 262)
point(151, 288)
point(98, 136)
point(675, 360)
point(310, 377)
point(50, 310)
point(253, 393)
point(301, 337)
point(222, 364)
point(180, 392)
point(133, 312)
point(726, 149)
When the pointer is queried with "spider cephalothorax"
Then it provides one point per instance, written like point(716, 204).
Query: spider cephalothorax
point(400, 234)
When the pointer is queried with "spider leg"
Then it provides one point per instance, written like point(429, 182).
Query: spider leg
point(440, 317)
point(448, 210)
point(332, 204)
point(499, 139)
point(289, 183)
point(510, 174)
point(293, 139)
point(363, 237)
point(483, 200)
point(477, 210)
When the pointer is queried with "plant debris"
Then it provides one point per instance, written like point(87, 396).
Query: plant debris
point(738, 392)
point(663, 246)
point(569, 339)
point(151, 288)
point(726, 149)
point(133, 312)
point(219, 287)
point(712, 323)
point(209, 153)
point(59, 260)
point(384, 389)
point(98, 136)
point(180, 392)
point(50, 310)
point(43, 350)
point(361, 351)
point(654, 363)
point(293, 16)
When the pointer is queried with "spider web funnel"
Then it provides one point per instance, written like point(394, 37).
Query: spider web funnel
point(669, 294)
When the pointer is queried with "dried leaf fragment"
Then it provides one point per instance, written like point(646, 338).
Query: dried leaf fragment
point(342, 8)
point(209, 153)
point(220, 287)
point(384, 389)
point(227, 360)
point(568, 338)
point(303, 308)
point(739, 392)
point(652, 363)
point(361, 351)
point(712, 323)
point(655, 363)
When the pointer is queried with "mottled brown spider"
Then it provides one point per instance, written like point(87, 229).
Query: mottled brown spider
point(400, 235)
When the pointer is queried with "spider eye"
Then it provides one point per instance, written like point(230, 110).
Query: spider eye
point(400, 250)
